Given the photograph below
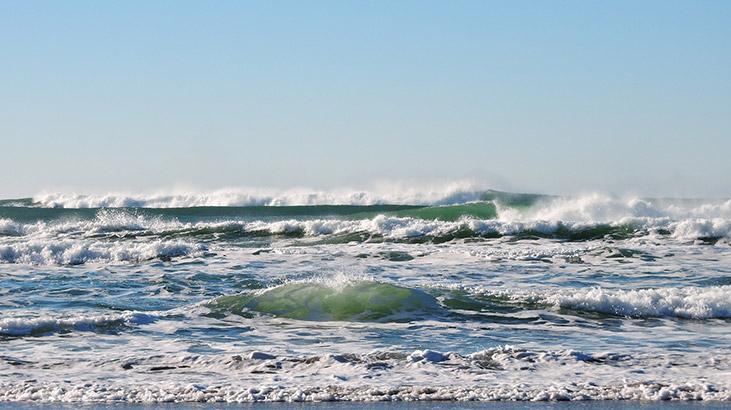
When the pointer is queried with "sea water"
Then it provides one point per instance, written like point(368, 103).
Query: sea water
point(241, 296)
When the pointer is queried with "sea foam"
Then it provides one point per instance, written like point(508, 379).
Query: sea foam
point(502, 373)
point(24, 326)
point(119, 236)
point(77, 252)
point(689, 302)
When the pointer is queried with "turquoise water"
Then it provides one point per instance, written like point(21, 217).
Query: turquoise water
point(474, 296)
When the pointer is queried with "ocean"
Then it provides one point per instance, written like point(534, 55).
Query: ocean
point(462, 295)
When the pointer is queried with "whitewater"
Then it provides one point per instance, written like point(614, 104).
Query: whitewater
point(447, 293)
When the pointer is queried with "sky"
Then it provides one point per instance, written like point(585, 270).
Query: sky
point(531, 96)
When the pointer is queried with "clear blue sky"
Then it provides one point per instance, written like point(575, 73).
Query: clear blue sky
point(548, 96)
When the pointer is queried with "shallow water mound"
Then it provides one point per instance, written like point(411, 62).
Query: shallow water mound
point(358, 301)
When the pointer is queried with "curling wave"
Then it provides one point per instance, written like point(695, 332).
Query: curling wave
point(321, 301)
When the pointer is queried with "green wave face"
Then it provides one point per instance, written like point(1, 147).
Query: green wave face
point(26, 211)
point(480, 210)
point(359, 301)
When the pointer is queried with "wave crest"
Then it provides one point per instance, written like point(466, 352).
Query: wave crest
point(319, 301)
point(456, 193)
point(713, 302)
point(689, 302)
point(74, 252)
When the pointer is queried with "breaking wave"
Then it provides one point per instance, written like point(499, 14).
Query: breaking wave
point(75, 252)
point(596, 207)
point(456, 193)
point(683, 302)
point(24, 326)
point(688, 302)
point(34, 235)
point(343, 298)
point(320, 301)
point(433, 223)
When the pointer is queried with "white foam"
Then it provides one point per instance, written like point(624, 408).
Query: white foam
point(427, 355)
point(118, 222)
point(681, 302)
point(24, 326)
point(687, 302)
point(701, 228)
point(10, 228)
point(95, 392)
point(684, 220)
point(98, 239)
point(406, 227)
point(598, 207)
point(495, 374)
point(76, 252)
point(531, 252)
point(400, 227)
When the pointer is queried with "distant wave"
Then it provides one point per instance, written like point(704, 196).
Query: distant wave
point(591, 208)
point(450, 194)
point(399, 225)
point(598, 207)
point(118, 236)
point(39, 235)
